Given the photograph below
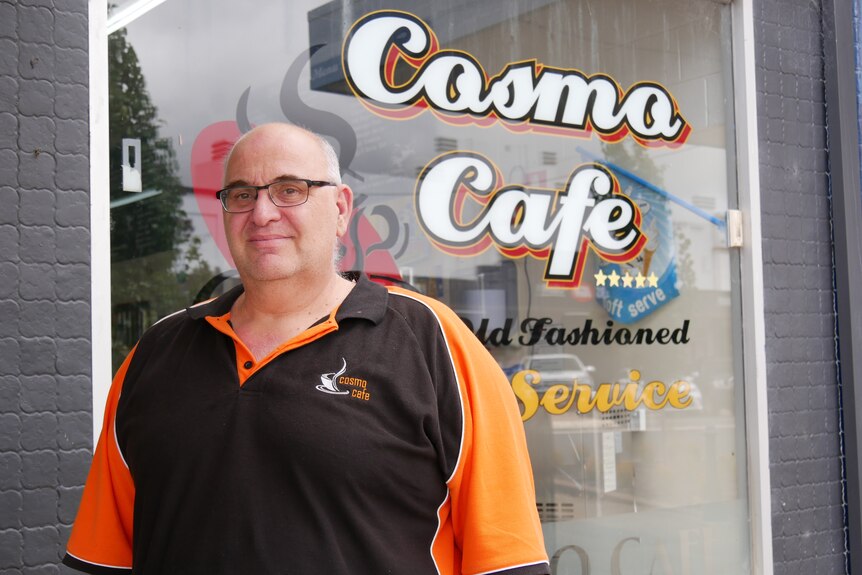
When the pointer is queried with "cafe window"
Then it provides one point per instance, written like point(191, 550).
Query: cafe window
point(556, 171)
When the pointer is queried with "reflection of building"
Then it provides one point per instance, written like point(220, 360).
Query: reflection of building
point(760, 459)
point(327, 23)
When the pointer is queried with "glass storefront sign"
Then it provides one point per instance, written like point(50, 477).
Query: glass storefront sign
point(556, 171)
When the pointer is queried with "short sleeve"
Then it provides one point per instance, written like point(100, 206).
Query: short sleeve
point(101, 539)
point(492, 502)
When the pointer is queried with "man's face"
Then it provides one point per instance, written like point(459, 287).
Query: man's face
point(272, 243)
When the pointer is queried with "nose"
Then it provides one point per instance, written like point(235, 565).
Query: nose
point(264, 210)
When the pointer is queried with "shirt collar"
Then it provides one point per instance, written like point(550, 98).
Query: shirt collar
point(367, 300)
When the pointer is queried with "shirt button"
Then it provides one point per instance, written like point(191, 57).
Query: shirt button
point(248, 365)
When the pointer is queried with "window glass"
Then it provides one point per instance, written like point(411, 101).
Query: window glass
point(118, 6)
point(556, 171)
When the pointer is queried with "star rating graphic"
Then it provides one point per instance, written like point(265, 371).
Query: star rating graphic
point(613, 280)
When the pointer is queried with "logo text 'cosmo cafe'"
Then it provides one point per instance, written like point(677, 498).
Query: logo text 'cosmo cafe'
point(524, 96)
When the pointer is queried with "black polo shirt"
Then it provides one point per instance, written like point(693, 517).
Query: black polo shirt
point(383, 439)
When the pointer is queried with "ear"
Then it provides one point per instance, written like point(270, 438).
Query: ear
point(344, 205)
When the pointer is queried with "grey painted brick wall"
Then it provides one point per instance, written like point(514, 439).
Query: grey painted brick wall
point(807, 520)
point(45, 389)
point(857, 21)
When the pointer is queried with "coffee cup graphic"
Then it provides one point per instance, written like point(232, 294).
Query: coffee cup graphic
point(327, 381)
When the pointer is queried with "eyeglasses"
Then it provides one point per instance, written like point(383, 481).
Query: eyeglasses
point(283, 193)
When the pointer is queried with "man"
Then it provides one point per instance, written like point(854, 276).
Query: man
point(304, 422)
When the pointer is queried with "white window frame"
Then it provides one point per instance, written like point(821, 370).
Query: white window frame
point(751, 261)
point(100, 212)
point(751, 277)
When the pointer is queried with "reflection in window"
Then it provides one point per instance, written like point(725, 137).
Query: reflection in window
point(156, 266)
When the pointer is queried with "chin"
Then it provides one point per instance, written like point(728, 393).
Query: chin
point(269, 275)
point(257, 272)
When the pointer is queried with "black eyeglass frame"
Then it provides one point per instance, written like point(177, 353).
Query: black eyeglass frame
point(220, 195)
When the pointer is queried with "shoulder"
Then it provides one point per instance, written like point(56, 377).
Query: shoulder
point(430, 318)
point(191, 318)
point(157, 339)
point(178, 329)
point(423, 311)
point(167, 326)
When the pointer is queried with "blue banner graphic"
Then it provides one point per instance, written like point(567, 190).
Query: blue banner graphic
point(633, 290)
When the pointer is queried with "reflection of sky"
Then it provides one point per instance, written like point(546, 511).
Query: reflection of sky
point(196, 73)
point(198, 61)
point(199, 57)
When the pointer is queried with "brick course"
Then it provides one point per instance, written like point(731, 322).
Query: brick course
point(804, 450)
point(45, 387)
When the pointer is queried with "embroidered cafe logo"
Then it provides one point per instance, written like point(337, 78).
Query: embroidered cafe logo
point(329, 383)
point(394, 64)
point(464, 207)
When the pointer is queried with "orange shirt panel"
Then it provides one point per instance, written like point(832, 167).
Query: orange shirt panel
point(491, 514)
point(102, 533)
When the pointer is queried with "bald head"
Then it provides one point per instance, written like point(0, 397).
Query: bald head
point(270, 242)
point(289, 135)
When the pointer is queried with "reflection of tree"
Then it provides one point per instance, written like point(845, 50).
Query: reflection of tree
point(156, 264)
point(684, 261)
point(156, 224)
point(634, 158)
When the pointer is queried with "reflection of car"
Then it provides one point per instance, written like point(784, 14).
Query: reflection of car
point(694, 394)
point(559, 368)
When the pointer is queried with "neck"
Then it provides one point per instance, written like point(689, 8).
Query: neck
point(270, 313)
point(291, 298)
